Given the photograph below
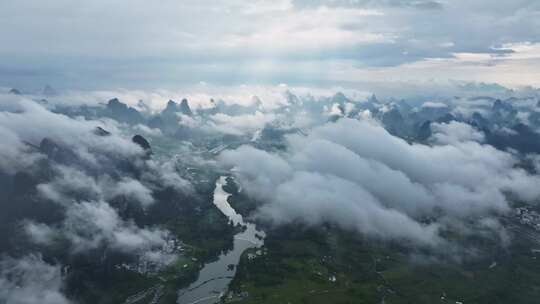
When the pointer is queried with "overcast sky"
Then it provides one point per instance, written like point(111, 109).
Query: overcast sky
point(170, 43)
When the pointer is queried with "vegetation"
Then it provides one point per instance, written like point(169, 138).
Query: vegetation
point(300, 267)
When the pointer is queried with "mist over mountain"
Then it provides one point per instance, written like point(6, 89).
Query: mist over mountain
point(283, 151)
point(98, 183)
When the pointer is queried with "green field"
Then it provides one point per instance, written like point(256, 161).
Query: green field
point(297, 268)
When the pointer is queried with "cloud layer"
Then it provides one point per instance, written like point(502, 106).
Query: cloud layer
point(293, 41)
point(356, 175)
point(30, 280)
point(83, 174)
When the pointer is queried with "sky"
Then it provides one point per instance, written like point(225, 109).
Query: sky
point(349, 43)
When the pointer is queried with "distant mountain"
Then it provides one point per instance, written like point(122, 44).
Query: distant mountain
point(171, 108)
point(519, 137)
point(143, 143)
point(479, 121)
point(57, 152)
point(393, 122)
point(48, 91)
point(143, 106)
point(167, 120)
point(99, 131)
point(424, 131)
point(373, 99)
point(184, 108)
point(122, 113)
point(174, 108)
point(503, 112)
point(15, 92)
point(339, 98)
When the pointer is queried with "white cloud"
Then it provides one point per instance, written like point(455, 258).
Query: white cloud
point(89, 225)
point(455, 132)
point(89, 172)
point(32, 123)
point(134, 190)
point(241, 124)
point(30, 280)
point(433, 104)
point(358, 176)
point(147, 130)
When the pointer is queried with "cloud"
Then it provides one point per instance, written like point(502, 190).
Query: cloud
point(300, 42)
point(455, 132)
point(91, 225)
point(69, 183)
point(316, 198)
point(14, 156)
point(81, 174)
point(431, 104)
point(164, 173)
point(134, 190)
point(32, 123)
point(241, 124)
point(24, 121)
point(30, 280)
point(356, 175)
point(147, 130)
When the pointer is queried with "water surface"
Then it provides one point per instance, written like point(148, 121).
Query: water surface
point(214, 277)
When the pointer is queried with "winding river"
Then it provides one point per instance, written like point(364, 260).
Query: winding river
point(214, 278)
